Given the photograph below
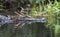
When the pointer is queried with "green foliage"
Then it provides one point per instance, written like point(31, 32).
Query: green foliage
point(53, 11)
point(57, 30)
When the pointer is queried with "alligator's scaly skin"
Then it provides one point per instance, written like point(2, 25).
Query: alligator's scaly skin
point(25, 19)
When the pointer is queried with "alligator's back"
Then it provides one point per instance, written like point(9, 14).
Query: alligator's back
point(24, 19)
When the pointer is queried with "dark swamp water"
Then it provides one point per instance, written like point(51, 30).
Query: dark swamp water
point(28, 30)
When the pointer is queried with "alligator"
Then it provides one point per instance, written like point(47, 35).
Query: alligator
point(24, 19)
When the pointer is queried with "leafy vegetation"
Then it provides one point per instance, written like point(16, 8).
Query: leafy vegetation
point(53, 12)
